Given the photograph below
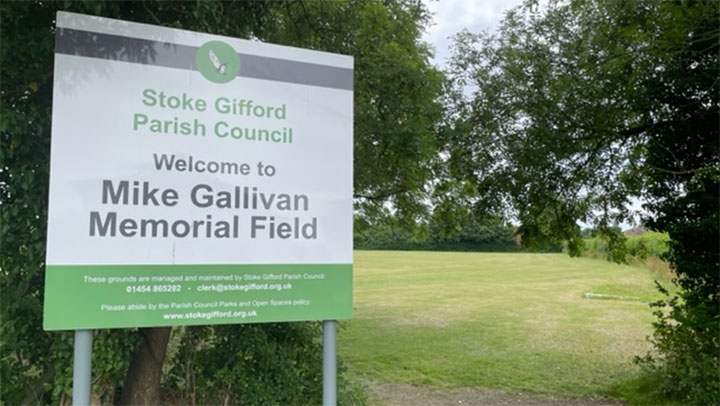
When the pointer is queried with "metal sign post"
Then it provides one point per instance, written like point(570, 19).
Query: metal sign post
point(82, 367)
point(329, 363)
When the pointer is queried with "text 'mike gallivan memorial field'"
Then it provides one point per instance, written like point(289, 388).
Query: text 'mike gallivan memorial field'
point(196, 179)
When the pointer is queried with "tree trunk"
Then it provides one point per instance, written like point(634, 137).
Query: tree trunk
point(142, 383)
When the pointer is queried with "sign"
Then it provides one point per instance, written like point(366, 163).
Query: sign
point(196, 179)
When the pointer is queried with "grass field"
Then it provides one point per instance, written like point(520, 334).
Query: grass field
point(507, 320)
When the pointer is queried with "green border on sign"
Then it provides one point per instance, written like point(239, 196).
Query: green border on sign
point(116, 296)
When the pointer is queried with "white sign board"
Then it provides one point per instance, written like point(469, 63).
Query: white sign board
point(196, 179)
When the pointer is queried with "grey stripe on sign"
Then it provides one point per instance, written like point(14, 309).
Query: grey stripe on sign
point(118, 48)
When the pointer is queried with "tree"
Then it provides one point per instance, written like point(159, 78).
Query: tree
point(583, 105)
point(397, 94)
point(395, 112)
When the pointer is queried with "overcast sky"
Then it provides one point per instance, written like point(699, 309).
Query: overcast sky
point(452, 16)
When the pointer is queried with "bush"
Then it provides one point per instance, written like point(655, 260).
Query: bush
point(687, 339)
point(254, 364)
point(649, 244)
point(641, 247)
point(469, 234)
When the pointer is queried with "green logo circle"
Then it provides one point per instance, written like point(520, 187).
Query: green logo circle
point(217, 62)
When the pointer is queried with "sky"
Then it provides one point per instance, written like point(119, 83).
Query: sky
point(452, 16)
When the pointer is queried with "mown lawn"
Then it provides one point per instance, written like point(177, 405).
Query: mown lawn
point(514, 321)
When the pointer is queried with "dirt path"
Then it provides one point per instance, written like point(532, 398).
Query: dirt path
point(407, 395)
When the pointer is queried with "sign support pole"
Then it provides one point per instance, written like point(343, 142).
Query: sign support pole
point(329, 363)
point(82, 367)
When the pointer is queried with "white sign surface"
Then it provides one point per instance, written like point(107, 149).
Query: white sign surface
point(174, 148)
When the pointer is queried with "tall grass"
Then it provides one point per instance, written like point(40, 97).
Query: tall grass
point(645, 250)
